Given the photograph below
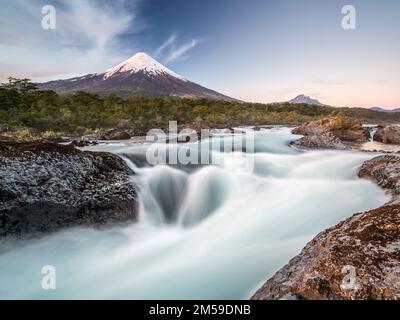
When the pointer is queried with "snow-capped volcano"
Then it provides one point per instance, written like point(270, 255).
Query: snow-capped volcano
point(141, 62)
point(303, 99)
point(139, 75)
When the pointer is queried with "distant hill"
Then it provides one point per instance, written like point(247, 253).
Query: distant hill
point(303, 99)
point(379, 109)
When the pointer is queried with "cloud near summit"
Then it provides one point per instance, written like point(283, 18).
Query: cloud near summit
point(171, 51)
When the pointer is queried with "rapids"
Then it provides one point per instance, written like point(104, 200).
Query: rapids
point(205, 231)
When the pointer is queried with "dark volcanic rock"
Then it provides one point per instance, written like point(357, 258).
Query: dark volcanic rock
point(388, 134)
point(45, 187)
point(367, 245)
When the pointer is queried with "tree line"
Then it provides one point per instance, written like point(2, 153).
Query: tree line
point(22, 104)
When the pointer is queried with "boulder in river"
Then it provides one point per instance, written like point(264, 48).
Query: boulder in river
point(323, 140)
point(385, 171)
point(388, 134)
point(331, 133)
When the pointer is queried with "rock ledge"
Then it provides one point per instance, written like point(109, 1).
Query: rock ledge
point(45, 187)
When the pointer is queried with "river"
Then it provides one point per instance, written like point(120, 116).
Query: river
point(205, 232)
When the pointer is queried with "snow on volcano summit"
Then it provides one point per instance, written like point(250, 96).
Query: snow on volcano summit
point(141, 62)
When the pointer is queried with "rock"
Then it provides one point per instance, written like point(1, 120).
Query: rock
point(45, 187)
point(310, 128)
point(358, 135)
point(385, 171)
point(388, 134)
point(194, 132)
point(367, 244)
point(83, 143)
point(323, 140)
point(114, 134)
point(330, 133)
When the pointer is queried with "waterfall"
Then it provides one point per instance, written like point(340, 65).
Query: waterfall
point(372, 129)
point(372, 133)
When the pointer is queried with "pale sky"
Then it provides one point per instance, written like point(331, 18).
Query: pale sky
point(256, 50)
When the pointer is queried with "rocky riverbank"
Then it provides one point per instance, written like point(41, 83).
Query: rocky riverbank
point(125, 130)
point(357, 259)
point(45, 187)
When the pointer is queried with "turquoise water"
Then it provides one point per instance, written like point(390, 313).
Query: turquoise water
point(205, 232)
